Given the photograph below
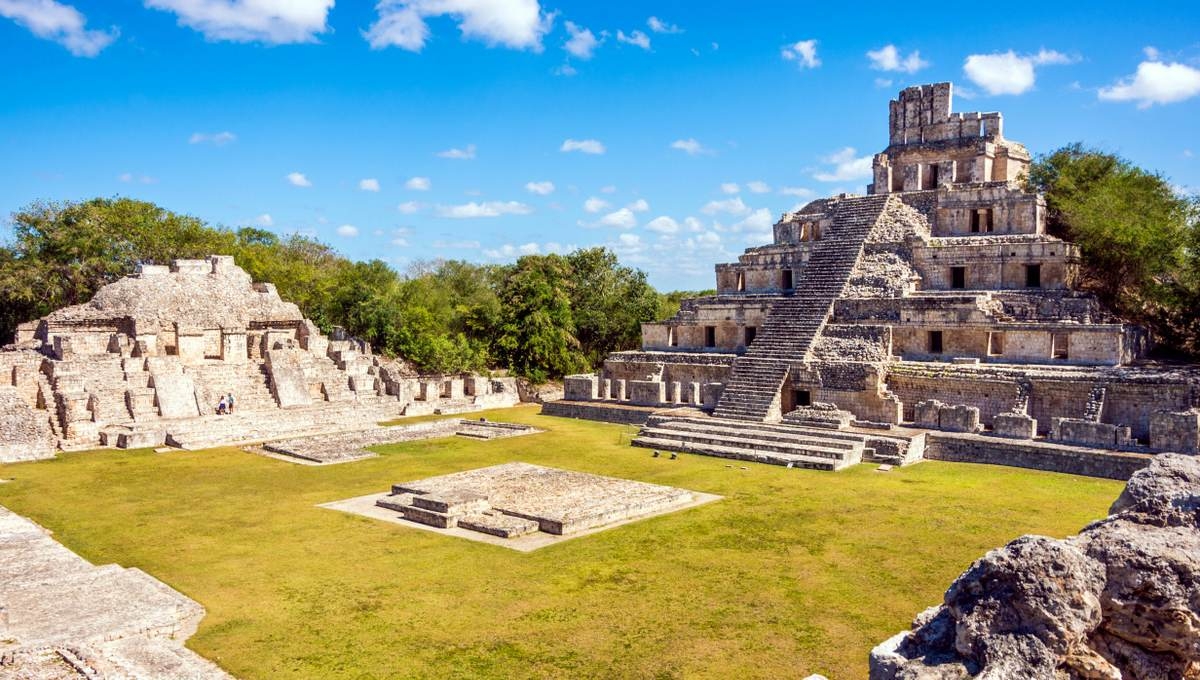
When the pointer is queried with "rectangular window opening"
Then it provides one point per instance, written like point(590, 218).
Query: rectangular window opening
point(989, 224)
point(1033, 276)
point(786, 282)
point(958, 277)
point(751, 333)
point(995, 344)
point(1058, 346)
point(741, 281)
point(802, 398)
point(935, 342)
point(897, 179)
point(672, 339)
point(974, 221)
point(710, 336)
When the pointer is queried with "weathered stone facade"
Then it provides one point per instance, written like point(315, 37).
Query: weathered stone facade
point(940, 285)
point(148, 359)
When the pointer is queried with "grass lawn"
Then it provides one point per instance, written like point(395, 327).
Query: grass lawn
point(793, 572)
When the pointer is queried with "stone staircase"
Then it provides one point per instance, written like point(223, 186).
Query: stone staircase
point(249, 383)
point(788, 332)
point(789, 445)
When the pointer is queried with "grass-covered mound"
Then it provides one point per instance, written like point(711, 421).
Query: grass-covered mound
point(793, 572)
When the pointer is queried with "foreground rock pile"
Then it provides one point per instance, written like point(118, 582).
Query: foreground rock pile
point(1121, 600)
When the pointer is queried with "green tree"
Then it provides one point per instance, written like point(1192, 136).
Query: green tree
point(537, 334)
point(609, 302)
point(1137, 236)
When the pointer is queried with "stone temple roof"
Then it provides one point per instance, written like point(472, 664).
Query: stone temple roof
point(211, 293)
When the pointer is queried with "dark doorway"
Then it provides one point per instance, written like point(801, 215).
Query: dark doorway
point(785, 280)
point(710, 336)
point(935, 342)
point(751, 333)
point(802, 398)
point(1033, 276)
point(958, 277)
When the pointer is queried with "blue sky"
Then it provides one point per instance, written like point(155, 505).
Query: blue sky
point(675, 133)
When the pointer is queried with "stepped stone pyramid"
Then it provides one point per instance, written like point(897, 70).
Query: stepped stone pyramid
point(936, 301)
point(147, 360)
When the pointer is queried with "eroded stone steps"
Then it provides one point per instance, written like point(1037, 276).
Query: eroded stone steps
point(759, 444)
point(825, 439)
point(739, 453)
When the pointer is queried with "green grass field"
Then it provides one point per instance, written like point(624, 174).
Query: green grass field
point(793, 572)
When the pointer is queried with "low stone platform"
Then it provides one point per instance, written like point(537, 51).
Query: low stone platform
point(519, 505)
point(345, 447)
point(62, 617)
point(621, 414)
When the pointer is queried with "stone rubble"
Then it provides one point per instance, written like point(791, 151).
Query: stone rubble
point(1119, 600)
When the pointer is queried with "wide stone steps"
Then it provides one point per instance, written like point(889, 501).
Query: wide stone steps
point(743, 453)
point(793, 323)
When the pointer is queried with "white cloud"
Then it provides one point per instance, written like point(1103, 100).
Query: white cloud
point(265, 220)
point(214, 138)
point(801, 192)
point(758, 187)
point(273, 22)
point(516, 24)
point(636, 38)
point(400, 242)
point(456, 245)
point(129, 177)
point(347, 231)
point(847, 167)
point(459, 154)
point(410, 207)
point(888, 58)
point(591, 146)
point(1008, 72)
point(659, 26)
point(369, 184)
point(595, 205)
point(689, 146)
point(663, 225)
point(804, 53)
point(565, 70)
point(509, 251)
point(733, 206)
point(418, 184)
point(582, 43)
point(297, 179)
point(730, 188)
point(540, 188)
point(639, 205)
point(1155, 83)
point(484, 209)
point(65, 25)
point(883, 82)
point(621, 219)
point(757, 226)
point(629, 240)
point(608, 189)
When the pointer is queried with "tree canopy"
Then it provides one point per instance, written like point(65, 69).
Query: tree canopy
point(1138, 235)
point(543, 316)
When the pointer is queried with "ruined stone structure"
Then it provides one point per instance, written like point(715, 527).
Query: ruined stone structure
point(519, 505)
point(147, 360)
point(937, 300)
point(1119, 600)
point(62, 617)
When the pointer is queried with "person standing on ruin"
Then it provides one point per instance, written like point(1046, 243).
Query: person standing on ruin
point(229, 402)
point(222, 406)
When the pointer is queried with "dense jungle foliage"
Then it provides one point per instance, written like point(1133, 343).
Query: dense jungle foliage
point(543, 316)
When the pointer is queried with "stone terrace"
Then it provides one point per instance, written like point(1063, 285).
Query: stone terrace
point(63, 617)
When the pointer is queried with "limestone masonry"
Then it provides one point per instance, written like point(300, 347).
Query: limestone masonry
point(147, 360)
point(937, 301)
point(519, 505)
point(1119, 600)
